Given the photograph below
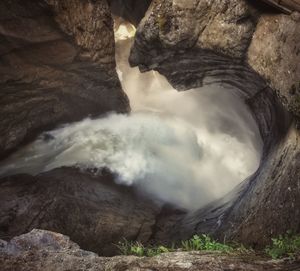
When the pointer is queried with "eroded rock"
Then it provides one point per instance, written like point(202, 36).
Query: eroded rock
point(207, 42)
point(94, 211)
point(225, 28)
point(56, 66)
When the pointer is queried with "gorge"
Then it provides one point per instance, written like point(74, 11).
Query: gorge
point(220, 157)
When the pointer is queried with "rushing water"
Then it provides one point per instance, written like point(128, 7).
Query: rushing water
point(185, 148)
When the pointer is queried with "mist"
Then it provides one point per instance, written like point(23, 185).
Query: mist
point(184, 148)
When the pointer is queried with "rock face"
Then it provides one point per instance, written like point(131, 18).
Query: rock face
point(255, 51)
point(56, 66)
point(93, 211)
point(275, 54)
point(239, 30)
point(51, 251)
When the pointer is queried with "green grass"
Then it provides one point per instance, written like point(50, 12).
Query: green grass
point(196, 243)
point(138, 249)
point(284, 246)
point(287, 245)
point(204, 243)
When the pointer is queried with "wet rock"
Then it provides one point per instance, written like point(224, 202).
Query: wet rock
point(94, 211)
point(195, 43)
point(44, 250)
point(225, 27)
point(56, 66)
point(264, 206)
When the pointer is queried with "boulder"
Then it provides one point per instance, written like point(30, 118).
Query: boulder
point(94, 211)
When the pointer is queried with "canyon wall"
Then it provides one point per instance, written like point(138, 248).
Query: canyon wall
point(56, 66)
point(247, 32)
point(94, 211)
point(251, 48)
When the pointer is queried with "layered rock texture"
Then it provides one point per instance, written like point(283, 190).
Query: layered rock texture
point(56, 66)
point(239, 30)
point(94, 211)
point(52, 251)
point(248, 47)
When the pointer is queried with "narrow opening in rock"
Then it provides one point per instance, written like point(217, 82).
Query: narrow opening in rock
point(183, 148)
point(218, 140)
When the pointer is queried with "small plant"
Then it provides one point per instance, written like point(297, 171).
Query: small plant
point(204, 242)
point(138, 249)
point(287, 245)
point(150, 252)
point(131, 248)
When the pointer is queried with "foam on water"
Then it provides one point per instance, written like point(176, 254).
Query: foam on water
point(185, 148)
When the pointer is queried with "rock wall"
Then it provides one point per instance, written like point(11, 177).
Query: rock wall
point(94, 211)
point(56, 66)
point(246, 46)
point(275, 54)
point(244, 31)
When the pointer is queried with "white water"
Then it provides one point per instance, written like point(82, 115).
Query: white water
point(185, 148)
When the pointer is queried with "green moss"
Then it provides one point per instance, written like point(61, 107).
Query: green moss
point(138, 249)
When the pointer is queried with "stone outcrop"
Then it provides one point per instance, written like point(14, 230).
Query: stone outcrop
point(52, 251)
point(275, 54)
point(94, 211)
point(243, 31)
point(56, 66)
point(255, 51)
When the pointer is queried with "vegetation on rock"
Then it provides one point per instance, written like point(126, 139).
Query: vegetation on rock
point(287, 245)
point(196, 243)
